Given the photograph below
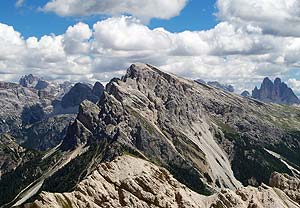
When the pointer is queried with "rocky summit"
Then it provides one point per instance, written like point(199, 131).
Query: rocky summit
point(81, 92)
point(246, 94)
point(275, 92)
point(158, 140)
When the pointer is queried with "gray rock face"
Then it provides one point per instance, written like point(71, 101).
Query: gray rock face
point(228, 88)
point(29, 81)
point(81, 92)
point(70, 102)
point(133, 182)
point(12, 154)
point(98, 89)
point(77, 94)
point(289, 185)
point(46, 134)
point(32, 114)
point(277, 92)
point(246, 94)
point(30, 109)
point(148, 112)
point(23, 106)
point(199, 133)
point(79, 132)
point(13, 100)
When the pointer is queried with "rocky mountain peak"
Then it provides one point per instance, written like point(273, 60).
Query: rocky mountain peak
point(136, 71)
point(158, 116)
point(29, 80)
point(98, 89)
point(80, 130)
point(277, 81)
point(267, 81)
point(246, 94)
point(228, 88)
point(275, 92)
point(80, 92)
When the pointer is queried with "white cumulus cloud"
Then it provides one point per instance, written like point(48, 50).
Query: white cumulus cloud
point(280, 17)
point(242, 49)
point(143, 9)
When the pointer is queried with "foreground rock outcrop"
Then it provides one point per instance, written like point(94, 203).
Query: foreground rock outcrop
point(289, 185)
point(132, 182)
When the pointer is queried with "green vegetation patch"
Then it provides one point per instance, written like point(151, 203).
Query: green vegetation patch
point(12, 183)
point(69, 176)
point(255, 162)
point(190, 177)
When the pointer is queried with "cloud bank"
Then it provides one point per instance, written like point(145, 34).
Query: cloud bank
point(278, 18)
point(240, 50)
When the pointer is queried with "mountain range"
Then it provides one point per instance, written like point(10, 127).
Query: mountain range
point(216, 84)
point(152, 139)
point(37, 112)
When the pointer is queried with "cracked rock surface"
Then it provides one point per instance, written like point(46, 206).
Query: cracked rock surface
point(132, 182)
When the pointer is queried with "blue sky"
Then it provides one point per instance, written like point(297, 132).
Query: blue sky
point(197, 15)
point(27, 19)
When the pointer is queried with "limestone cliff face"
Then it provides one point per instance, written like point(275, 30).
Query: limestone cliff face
point(81, 92)
point(12, 154)
point(26, 104)
point(277, 92)
point(36, 111)
point(160, 117)
point(289, 185)
point(204, 136)
point(133, 182)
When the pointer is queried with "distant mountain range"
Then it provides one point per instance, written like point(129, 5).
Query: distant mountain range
point(269, 92)
point(228, 88)
point(273, 92)
point(37, 111)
